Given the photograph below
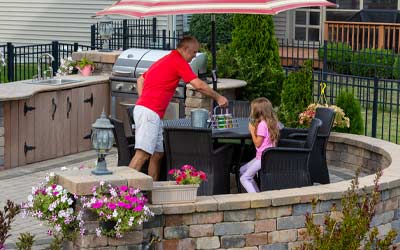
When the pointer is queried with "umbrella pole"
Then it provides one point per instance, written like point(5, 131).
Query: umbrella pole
point(213, 52)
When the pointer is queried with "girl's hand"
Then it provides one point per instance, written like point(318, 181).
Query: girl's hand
point(251, 128)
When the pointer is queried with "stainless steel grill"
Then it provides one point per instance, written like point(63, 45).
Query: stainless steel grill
point(134, 62)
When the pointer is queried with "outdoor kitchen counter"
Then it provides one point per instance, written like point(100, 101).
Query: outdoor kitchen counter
point(226, 83)
point(24, 89)
point(41, 122)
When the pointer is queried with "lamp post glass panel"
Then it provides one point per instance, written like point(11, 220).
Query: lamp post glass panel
point(105, 32)
point(102, 141)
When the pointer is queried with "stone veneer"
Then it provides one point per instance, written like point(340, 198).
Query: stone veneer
point(1, 136)
point(272, 220)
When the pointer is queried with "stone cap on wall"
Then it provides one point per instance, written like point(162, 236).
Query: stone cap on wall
point(390, 179)
point(81, 181)
point(225, 83)
point(97, 56)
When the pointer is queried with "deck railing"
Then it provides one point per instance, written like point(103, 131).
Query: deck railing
point(360, 35)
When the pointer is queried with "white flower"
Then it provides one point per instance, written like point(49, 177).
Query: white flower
point(98, 232)
point(51, 174)
point(64, 168)
point(64, 198)
point(70, 211)
point(70, 201)
point(115, 214)
point(30, 198)
point(102, 183)
point(57, 227)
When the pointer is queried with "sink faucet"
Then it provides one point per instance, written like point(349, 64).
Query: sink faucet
point(2, 59)
point(43, 76)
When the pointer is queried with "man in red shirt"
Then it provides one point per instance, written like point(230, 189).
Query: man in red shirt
point(156, 88)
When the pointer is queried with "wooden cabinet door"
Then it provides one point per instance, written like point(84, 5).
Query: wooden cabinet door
point(26, 128)
point(101, 101)
point(84, 122)
point(46, 118)
point(63, 122)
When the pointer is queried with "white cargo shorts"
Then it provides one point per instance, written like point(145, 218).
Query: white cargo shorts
point(148, 130)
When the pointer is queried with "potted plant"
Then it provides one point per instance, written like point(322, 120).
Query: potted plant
point(341, 120)
point(183, 189)
point(119, 209)
point(85, 66)
point(67, 67)
point(54, 205)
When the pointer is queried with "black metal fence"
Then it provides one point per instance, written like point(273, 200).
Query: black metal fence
point(141, 33)
point(379, 99)
point(22, 61)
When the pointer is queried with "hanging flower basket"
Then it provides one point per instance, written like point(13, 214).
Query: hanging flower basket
point(167, 192)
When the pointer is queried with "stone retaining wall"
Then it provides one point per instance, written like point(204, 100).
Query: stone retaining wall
point(1, 135)
point(272, 220)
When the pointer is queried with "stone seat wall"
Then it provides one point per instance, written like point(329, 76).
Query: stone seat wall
point(272, 220)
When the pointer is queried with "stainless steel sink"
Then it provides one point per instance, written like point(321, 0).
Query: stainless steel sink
point(54, 81)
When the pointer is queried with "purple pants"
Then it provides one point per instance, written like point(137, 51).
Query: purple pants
point(247, 173)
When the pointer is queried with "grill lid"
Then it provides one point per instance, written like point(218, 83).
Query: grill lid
point(131, 63)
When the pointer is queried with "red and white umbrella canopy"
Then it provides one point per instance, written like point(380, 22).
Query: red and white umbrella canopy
point(142, 8)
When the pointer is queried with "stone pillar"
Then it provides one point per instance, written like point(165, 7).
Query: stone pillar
point(104, 61)
point(1, 135)
point(80, 182)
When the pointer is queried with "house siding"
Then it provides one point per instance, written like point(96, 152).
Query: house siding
point(40, 21)
point(280, 25)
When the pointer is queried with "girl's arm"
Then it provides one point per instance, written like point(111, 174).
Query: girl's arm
point(257, 140)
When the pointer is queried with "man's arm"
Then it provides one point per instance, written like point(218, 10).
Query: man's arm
point(203, 88)
point(139, 85)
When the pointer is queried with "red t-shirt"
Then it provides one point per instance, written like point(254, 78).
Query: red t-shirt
point(161, 80)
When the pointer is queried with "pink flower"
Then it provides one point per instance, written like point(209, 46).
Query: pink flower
point(187, 167)
point(138, 208)
point(202, 175)
point(97, 204)
point(111, 206)
point(121, 204)
point(172, 171)
point(123, 188)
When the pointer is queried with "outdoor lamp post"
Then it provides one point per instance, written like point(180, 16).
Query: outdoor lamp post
point(102, 141)
point(105, 32)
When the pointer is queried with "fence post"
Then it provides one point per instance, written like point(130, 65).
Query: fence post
point(154, 26)
point(55, 53)
point(93, 36)
point(375, 108)
point(10, 62)
point(324, 62)
point(76, 47)
point(124, 34)
point(164, 39)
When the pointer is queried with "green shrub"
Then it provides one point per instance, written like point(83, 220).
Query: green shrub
point(257, 56)
point(338, 56)
point(351, 231)
point(296, 95)
point(227, 66)
point(396, 68)
point(352, 109)
point(25, 241)
point(372, 63)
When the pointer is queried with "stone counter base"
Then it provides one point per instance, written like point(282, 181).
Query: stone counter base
point(273, 220)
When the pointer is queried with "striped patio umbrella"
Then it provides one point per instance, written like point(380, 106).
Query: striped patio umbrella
point(143, 8)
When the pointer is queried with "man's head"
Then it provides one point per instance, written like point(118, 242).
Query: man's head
point(188, 47)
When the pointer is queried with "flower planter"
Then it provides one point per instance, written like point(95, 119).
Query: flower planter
point(166, 192)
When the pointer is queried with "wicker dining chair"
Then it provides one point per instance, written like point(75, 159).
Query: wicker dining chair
point(194, 146)
point(288, 167)
point(125, 145)
point(318, 166)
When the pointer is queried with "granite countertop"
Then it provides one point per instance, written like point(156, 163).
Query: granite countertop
point(25, 89)
point(226, 83)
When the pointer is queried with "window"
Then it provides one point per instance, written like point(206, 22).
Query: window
point(307, 24)
point(380, 4)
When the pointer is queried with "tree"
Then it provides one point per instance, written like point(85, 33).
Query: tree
point(257, 56)
point(200, 27)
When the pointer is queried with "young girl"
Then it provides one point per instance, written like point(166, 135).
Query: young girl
point(264, 132)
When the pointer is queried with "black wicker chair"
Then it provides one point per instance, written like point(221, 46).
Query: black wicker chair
point(194, 146)
point(288, 167)
point(125, 145)
point(318, 166)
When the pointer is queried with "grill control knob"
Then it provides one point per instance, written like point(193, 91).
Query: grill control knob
point(132, 87)
point(119, 86)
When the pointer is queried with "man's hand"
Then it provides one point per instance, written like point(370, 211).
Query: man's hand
point(222, 101)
